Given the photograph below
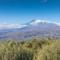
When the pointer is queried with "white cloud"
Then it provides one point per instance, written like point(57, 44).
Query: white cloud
point(9, 26)
point(17, 25)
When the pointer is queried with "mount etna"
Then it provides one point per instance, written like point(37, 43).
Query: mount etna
point(35, 28)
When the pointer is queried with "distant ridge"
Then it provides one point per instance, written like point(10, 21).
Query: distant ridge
point(35, 28)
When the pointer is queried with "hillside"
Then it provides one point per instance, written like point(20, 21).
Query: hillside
point(34, 28)
point(40, 49)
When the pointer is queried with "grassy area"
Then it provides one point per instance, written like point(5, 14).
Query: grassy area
point(44, 49)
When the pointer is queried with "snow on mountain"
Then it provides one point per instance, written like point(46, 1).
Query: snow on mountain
point(35, 28)
point(34, 22)
point(41, 25)
point(57, 24)
point(37, 22)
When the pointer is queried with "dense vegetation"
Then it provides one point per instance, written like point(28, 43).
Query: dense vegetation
point(40, 49)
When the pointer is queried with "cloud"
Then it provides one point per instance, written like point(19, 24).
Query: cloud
point(10, 26)
point(17, 25)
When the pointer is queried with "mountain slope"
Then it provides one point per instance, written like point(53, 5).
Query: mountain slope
point(35, 28)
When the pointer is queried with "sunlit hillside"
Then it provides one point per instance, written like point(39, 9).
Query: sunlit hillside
point(35, 49)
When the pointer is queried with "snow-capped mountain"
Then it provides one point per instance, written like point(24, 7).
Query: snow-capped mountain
point(33, 22)
point(41, 25)
point(35, 28)
point(36, 22)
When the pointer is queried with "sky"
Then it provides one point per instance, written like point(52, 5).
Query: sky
point(23, 11)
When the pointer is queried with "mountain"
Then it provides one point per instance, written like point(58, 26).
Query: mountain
point(34, 28)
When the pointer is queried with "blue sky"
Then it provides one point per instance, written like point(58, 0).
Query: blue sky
point(22, 11)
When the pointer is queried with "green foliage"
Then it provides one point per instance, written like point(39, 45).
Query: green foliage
point(44, 49)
